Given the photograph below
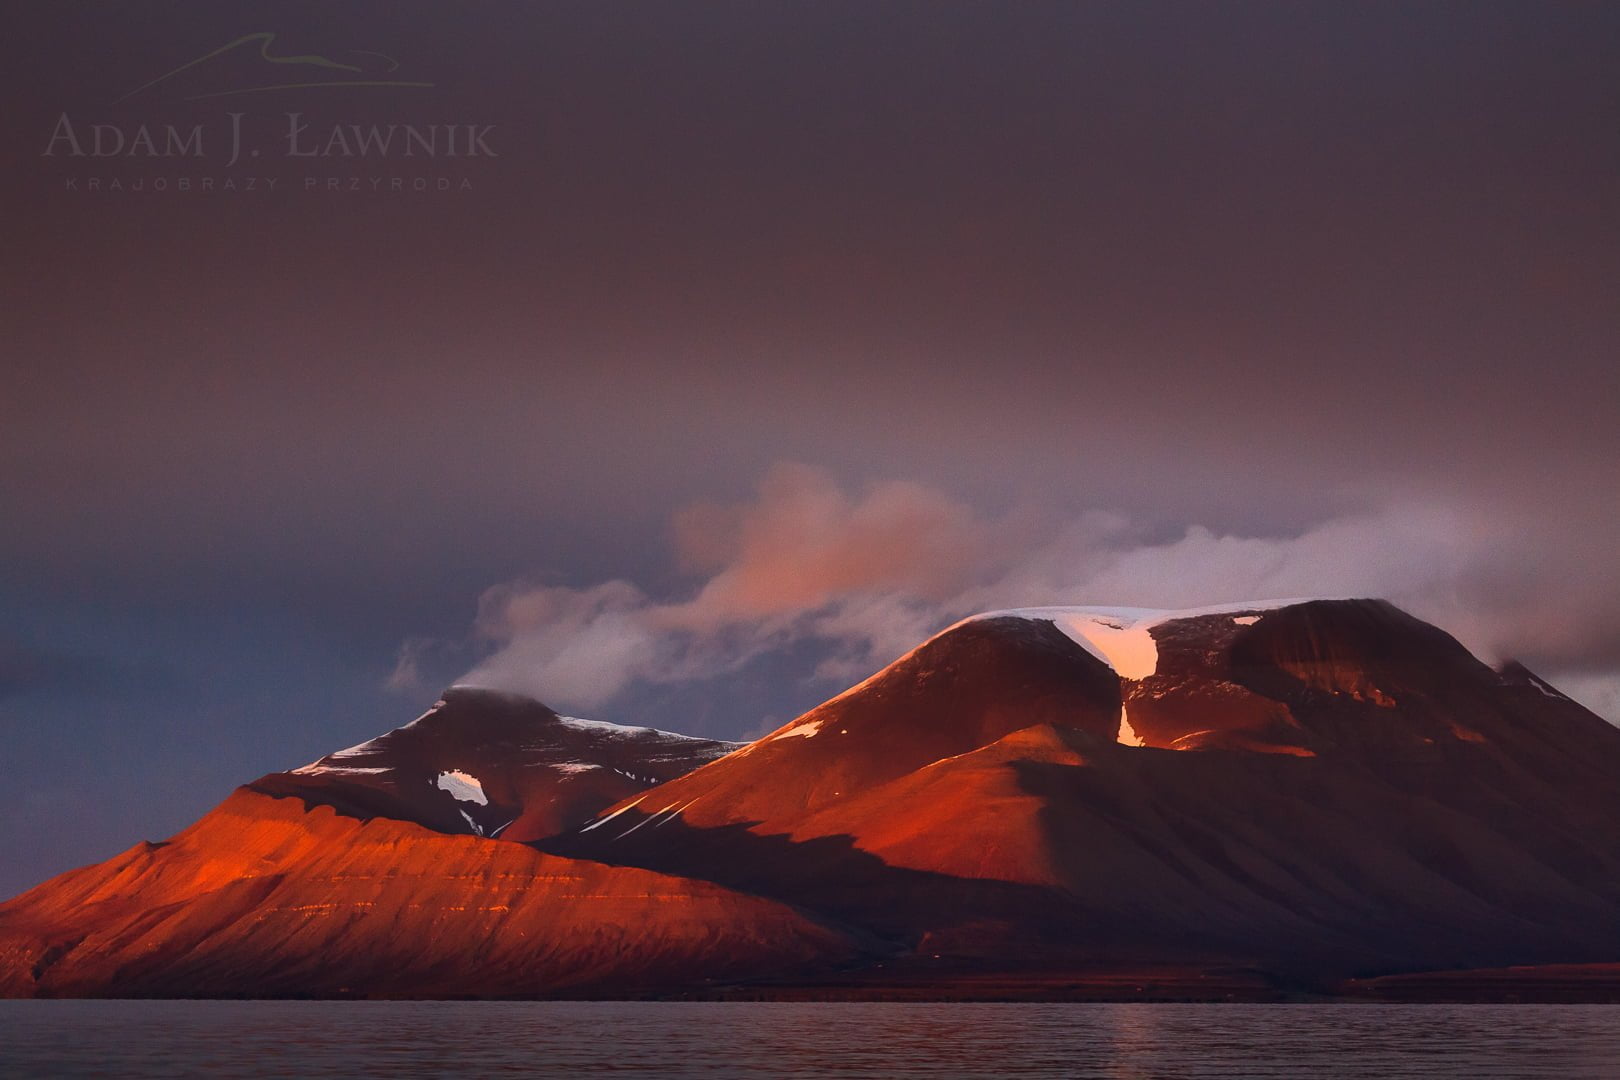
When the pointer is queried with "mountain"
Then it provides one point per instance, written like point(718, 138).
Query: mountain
point(492, 764)
point(1313, 788)
point(1251, 800)
point(266, 898)
point(374, 870)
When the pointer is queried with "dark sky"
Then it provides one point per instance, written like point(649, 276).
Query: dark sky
point(773, 335)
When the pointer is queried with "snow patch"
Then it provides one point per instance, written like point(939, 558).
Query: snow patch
point(1124, 643)
point(317, 769)
point(1547, 689)
point(677, 812)
point(1127, 734)
point(804, 729)
point(462, 786)
point(362, 750)
point(369, 748)
point(603, 821)
point(1122, 637)
point(1246, 620)
point(644, 821)
point(622, 731)
point(573, 768)
point(477, 829)
point(602, 727)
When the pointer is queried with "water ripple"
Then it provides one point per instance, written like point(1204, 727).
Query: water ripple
point(880, 1041)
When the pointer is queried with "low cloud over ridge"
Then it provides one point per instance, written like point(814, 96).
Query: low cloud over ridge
point(857, 577)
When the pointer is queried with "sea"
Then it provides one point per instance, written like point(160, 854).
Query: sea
point(880, 1041)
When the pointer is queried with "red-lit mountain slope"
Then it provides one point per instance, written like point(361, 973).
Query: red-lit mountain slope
point(1284, 794)
point(1306, 786)
point(263, 897)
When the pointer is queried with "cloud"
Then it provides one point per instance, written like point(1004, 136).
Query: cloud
point(862, 576)
point(423, 663)
point(805, 558)
point(805, 543)
point(573, 646)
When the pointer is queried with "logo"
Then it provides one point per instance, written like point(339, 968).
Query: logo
point(315, 137)
point(366, 70)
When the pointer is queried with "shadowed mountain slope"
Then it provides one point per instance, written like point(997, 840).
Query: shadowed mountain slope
point(491, 764)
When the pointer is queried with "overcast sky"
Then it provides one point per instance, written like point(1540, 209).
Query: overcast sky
point(766, 339)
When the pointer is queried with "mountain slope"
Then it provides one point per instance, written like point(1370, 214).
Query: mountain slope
point(954, 694)
point(263, 897)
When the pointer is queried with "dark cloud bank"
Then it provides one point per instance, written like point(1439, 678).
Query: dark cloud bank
point(1149, 304)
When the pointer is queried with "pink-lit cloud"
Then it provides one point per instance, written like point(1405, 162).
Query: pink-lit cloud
point(867, 574)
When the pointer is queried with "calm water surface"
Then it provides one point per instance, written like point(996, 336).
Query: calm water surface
point(881, 1041)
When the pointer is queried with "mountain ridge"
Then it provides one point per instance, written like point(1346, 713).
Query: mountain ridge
point(1298, 792)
